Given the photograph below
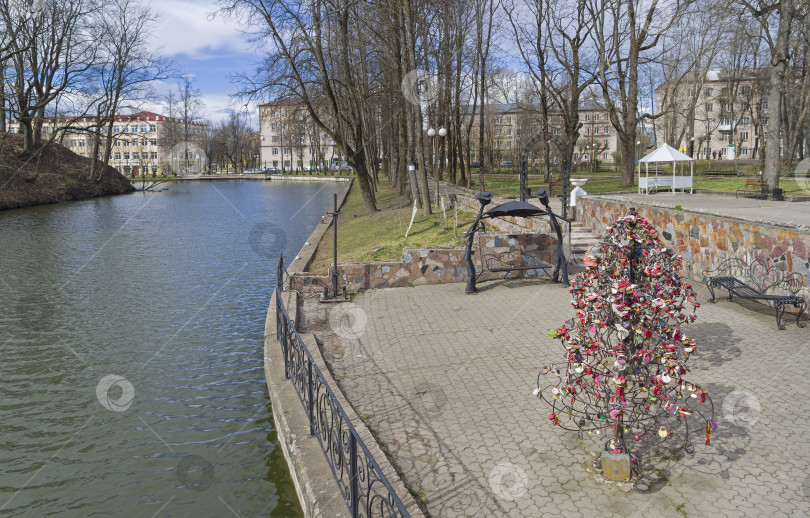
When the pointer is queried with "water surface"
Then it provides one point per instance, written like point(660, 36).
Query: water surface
point(167, 292)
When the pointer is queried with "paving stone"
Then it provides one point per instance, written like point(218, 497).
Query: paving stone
point(448, 379)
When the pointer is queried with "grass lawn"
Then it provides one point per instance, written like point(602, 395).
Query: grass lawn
point(508, 184)
point(359, 233)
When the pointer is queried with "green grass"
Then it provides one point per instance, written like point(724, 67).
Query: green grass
point(599, 183)
point(359, 233)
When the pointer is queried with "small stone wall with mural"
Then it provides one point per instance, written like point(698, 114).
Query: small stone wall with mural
point(442, 265)
point(705, 240)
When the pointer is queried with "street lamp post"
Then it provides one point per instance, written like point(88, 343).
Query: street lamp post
point(692, 147)
point(638, 149)
point(432, 133)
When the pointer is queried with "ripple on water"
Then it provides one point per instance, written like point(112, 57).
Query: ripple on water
point(164, 291)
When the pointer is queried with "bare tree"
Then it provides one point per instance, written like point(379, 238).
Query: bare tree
point(313, 57)
point(51, 52)
point(125, 72)
point(624, 31)
point(777, 18)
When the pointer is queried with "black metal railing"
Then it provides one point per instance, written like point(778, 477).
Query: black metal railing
point(365, 489)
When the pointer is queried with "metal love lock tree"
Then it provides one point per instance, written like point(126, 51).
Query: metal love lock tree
point(625, 351)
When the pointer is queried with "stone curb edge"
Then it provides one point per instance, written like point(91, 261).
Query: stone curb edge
point(315, 485)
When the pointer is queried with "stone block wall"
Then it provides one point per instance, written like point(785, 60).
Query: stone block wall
point(705, 240)
point(442, 265)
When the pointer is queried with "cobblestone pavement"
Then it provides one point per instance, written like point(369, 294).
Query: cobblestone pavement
point(447, 380)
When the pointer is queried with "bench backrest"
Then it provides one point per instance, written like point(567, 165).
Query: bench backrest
point(759, 275)
point(754, 183)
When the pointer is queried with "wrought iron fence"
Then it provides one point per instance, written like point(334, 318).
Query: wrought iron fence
point(365, 489)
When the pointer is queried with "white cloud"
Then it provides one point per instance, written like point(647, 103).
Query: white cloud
point(186, 27)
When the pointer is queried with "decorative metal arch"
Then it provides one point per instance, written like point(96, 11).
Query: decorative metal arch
point(540, 136)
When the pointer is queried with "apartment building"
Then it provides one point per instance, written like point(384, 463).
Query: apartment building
point(291, 141)
point(508, 126)
point(145, 142)
point(721, 115)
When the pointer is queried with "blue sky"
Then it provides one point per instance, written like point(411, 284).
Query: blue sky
point(210, 50)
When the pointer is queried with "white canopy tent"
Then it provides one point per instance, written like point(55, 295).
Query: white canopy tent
point(666, 154)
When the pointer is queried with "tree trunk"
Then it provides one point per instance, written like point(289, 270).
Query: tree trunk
point(773, 166)
point(416, 117)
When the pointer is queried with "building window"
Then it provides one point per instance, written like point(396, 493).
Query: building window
point(709, 107)
point(709, 92)
point(509, 144)
point(154, 155)
point(509, 120)
point(272, 114)
point(691, 92)
point(604, 143)
point(725, 107)
point(116, 129)
point(508, 132)
point(274, 138)
point(144, 129)
point(745, 106)
point(287, 164)
point(746, 90)
point(744, 121)
point(498, 132)
point(287, 151)
point(136, 156)
point(763, 105)
point(153, 141)
point(274, 126)
point(604, 156)
point(152, 128)
point(117, 156)
point(606, 131)
point(275, 151)
point(724, 151)
point(764, 121)
point(744, 135)
point(126, 156)
point(744, 151)
point(154, 169)
point(587, 116)
point(275, 163)
point(596, 116)
point(498, 120)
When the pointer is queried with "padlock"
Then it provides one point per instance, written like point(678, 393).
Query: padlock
point(662, 432)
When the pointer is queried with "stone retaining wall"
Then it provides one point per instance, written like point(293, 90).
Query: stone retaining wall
point(705, 240)
point(442, 265)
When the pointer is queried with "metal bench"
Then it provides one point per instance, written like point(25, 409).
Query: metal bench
point(758, 281)
point(755, 187)
point(720, 173)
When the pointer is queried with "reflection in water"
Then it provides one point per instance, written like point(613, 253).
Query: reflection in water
point(131, 351)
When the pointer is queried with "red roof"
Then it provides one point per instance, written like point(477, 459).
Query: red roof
point(142, 116)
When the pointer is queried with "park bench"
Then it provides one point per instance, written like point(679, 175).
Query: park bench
point(720, 173)
point(758, 281)
point(754, 187)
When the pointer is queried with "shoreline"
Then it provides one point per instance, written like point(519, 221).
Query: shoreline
point(316, 487)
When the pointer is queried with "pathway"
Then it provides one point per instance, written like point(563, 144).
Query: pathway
point(447, 381)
